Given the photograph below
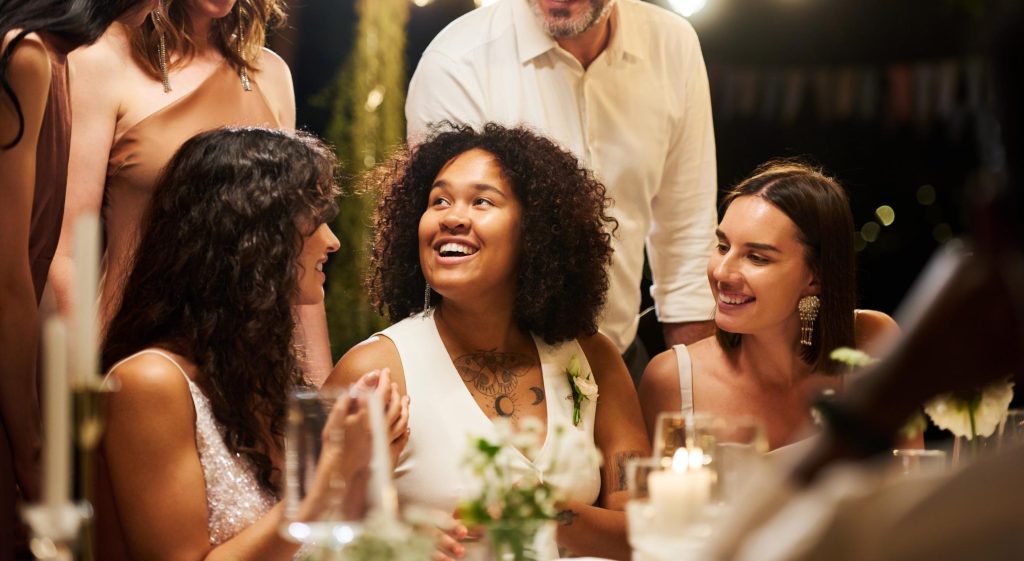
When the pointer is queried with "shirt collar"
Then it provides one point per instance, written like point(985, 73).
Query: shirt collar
point(627, 35)
point(532, 41)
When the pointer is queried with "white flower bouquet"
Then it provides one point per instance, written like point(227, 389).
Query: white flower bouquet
point(510, 509)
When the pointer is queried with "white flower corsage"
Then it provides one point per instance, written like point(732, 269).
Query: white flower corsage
point(583, 388)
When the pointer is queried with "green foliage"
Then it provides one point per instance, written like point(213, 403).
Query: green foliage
point(367, 124)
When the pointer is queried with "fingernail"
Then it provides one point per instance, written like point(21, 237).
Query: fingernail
point(371, 379)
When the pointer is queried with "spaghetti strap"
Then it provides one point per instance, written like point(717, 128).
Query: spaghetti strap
point(151, 352)
point(685, 368)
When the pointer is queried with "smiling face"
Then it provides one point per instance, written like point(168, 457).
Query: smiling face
point(312, 259)
point(758, 270)
point(469, 235)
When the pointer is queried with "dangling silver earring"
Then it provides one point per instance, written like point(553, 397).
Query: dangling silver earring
point(243, 73)
point(808, 307)
point(161, 46)
point(426, 297)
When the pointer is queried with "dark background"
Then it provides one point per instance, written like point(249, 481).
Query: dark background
point(879, 160)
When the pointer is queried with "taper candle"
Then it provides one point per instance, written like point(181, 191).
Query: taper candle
point(57, 415)
point(85, 321)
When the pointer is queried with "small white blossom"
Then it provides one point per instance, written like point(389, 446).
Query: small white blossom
point(581, 388)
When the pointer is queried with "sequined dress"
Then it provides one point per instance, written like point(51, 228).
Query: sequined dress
point(234, 498)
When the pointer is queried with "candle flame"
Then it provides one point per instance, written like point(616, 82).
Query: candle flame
point(686, 460)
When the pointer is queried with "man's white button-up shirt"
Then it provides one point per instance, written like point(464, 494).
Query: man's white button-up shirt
point(639, 116)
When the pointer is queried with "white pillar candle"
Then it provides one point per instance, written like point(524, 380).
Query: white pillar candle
point(383, 489)
point(57, 415)
point(85, 323)
point(681, 492)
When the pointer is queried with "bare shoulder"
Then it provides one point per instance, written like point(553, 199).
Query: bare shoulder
point(661, 373)
point(874, 330)
point(375, 353)
point(600, 351)
point(109, 55)
point(150, 382)
point(272, 65)
point(29, 60)
point(101, 71)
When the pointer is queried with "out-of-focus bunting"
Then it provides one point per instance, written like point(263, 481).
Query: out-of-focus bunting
point(921, 94)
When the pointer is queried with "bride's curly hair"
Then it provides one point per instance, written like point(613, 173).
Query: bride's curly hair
point(562, 276)
point(216, 272)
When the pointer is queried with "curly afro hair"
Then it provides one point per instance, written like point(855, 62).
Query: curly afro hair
point(562, 276)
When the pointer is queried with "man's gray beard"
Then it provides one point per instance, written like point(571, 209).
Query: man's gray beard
point(572, 27)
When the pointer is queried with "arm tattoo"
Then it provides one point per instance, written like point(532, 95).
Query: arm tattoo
point(619, 468)
point(496, 375)
point(566, 517)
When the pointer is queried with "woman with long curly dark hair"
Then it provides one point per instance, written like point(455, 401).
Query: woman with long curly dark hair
point(202, 346)
point(491, 253)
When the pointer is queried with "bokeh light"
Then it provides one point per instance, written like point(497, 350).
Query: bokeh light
point(870, 231)
point(886, 215)
point(687, 7)
point(926, 194)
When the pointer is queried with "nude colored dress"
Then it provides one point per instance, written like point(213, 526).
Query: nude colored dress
point(140, 154)
point(51, 167)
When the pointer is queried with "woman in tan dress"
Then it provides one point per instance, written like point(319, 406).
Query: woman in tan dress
point(140, 93)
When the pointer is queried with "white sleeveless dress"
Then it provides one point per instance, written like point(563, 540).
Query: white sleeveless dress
point(784, 453)
point(443, 415)
point(234, 498)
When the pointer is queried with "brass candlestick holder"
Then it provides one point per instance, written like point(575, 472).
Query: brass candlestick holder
point(66, 531)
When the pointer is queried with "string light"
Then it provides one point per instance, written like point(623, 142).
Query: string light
point(687, 7)
point(886, 215)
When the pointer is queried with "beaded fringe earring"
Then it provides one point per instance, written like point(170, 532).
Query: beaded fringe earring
point(808, 307)
point(161, 47)
point(243, 73)
point(426, 297)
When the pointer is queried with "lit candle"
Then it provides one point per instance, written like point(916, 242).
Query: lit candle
point(57, 413)
point(380, 465)
point(679, 493)
point(85, 324)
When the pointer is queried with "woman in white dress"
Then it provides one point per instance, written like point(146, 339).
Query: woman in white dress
point(783, 277)
point(491, 253)
point(203, 352)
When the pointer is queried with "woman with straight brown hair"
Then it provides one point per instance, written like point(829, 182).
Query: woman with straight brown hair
point(140, 93)
point(783, 277)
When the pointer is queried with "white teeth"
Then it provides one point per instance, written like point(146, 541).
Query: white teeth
point(731, 300)
point(320, 267)
point(452, 247)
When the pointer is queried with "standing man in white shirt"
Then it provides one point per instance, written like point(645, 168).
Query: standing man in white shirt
point(622, 85)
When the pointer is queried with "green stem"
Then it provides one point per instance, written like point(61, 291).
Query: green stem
point(974, 431)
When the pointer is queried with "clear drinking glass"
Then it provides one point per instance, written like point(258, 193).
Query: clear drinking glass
point(670, 434)
point(327, 454)
point(734, 447)
point(915, 461)
point(1011, 431)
